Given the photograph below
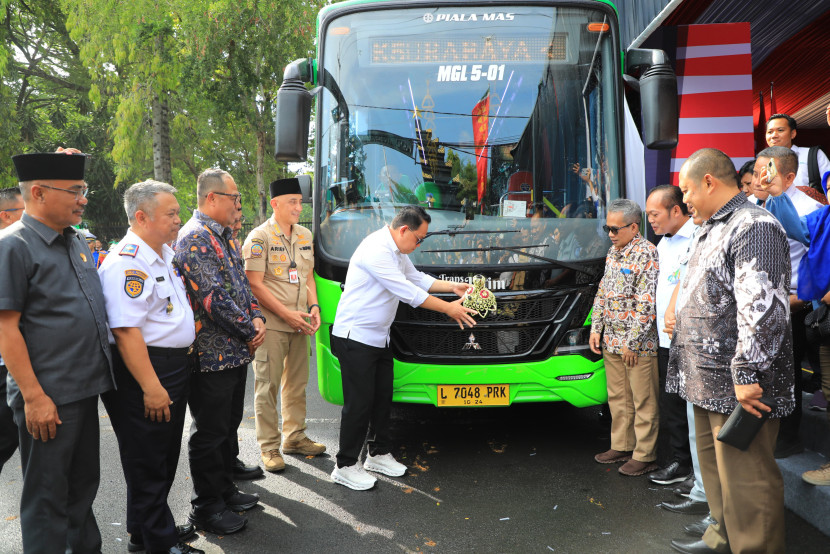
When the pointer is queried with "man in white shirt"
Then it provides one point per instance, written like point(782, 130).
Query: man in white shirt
point(787, 164)
point(152, 328)
point(669, 216)
point(781, 130)
point(380, 275)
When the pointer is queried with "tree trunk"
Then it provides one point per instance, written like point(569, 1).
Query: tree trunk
point(260, 176)
point(162, 168)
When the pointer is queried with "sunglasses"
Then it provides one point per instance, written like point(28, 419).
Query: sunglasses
point(614, 230)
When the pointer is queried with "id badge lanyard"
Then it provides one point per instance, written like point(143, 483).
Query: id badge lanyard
point(293, 275)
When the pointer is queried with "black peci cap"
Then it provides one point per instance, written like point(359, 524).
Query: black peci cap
point(50, 166)
point(285, 186)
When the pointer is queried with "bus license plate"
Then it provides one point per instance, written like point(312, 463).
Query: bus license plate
point(473, 395)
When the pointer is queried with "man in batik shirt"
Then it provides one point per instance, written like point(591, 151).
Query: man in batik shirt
point(229, 328)
point(624, 321)
point(733, 344)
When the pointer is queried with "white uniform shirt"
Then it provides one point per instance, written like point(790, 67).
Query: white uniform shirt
point(379, 277)
point(672, 255)
point(139, 290)
point(803, 205)
point(802, 178)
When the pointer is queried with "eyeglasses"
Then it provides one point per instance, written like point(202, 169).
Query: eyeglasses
point(13, 209)
point(418, 240)
point(78, 193)
point(236, 197)
point(614, 230)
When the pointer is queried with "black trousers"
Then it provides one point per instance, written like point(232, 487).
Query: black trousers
point(60, 481)
point(149, 449)
point(673, 420)
point(8, 430)
point(788, 431)
point(367, 399)
point(216, 402)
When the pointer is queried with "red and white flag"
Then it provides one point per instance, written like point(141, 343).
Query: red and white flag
point(714, 84)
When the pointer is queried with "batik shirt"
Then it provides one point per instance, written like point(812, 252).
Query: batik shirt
point(624, 305)
point(223, 304)
point(733, 312)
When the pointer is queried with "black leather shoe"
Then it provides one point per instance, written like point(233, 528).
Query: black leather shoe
point(688, 506)
point(221, 523)
point(683, 489)
point(181, 548)
point(184, 532)
point(241, 501)
point(697, 528)
point(672, 473)
point(693, 546)
point(242, 472)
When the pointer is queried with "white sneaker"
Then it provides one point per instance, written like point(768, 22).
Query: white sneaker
point(385, 464)
point(353, 477)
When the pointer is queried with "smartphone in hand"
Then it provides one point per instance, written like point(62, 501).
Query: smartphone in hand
point(772, 171)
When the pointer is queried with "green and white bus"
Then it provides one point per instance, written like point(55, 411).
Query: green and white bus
point(505, 120)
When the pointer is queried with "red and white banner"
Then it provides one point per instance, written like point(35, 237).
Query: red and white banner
point(714, 84)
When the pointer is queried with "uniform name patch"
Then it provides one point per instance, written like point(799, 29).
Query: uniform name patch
point(305, 248)
point(129, 250)
point(136, 273)
point(256, 251)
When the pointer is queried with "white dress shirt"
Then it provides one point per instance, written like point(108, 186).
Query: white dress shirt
point(672, 254)
point(803, 205)
point(379, 277)
point(802, 178)
point(143, 290)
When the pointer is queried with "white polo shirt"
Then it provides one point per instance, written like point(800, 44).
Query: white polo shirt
point(803, 205)
point(379, 277)
point(143, 290)
point(802, 178)
point(671, 253)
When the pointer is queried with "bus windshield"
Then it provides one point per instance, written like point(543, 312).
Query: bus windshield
point(499, 120)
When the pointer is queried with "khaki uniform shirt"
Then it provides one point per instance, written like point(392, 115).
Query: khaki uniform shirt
point(270, 250)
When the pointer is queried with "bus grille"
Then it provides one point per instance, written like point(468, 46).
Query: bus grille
point(527, 326)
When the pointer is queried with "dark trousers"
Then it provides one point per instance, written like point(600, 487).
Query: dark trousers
point(8, 428)
point(149, 449)
point(673, 418)
point(788, 432)
point(216, 402)
point(60, 481)
point(367, 399)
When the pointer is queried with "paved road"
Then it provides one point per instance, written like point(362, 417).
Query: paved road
point(518, 479)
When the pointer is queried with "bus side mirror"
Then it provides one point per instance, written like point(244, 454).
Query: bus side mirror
point(305, 187)
point(293, 113)
point(658, 97)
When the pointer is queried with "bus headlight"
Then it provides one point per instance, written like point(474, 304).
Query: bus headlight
point(575, 341)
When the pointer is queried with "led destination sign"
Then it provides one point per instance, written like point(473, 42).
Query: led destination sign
point(393, 50)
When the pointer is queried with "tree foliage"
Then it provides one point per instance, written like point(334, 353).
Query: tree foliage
point(93, 74)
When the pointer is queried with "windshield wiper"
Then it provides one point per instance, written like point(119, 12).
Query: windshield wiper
point(453, 230)
point(517, 250)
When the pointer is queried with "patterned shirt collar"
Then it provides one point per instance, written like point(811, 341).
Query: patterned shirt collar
point(726, 210)
point(626, 250)
point(212, 224)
